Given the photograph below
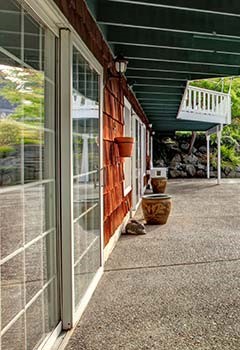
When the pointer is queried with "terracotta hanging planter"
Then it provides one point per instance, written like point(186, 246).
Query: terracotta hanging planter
point(156, 208)
point(125, 146)
point(159, 184)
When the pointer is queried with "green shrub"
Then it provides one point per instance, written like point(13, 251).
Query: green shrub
point(5, 150)
point(32, 136)
point(10, 132)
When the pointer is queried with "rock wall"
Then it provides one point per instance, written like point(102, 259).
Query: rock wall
point(182, 162)
point(11, 163)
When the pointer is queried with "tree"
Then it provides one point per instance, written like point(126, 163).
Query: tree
point(24, 89)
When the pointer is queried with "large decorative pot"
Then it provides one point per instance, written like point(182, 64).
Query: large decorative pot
point(125, 146)
point(156, 208)
point(159, 184)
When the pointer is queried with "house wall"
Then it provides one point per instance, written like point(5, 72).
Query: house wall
point(116, 205)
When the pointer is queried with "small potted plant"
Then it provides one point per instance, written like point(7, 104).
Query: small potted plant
point(125, 146)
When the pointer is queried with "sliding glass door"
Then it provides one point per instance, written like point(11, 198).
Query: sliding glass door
point(86, 166)
point(30, 307)
point(44, 280)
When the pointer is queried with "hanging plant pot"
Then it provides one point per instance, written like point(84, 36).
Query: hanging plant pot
point(125, 146)
point(159, 184)
point(156, 208)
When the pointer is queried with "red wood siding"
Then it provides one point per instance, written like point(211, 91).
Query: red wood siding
point(116, 205)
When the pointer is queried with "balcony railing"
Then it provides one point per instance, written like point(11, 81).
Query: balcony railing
point(205, 105)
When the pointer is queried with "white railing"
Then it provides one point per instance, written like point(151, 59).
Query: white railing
point(205, 105)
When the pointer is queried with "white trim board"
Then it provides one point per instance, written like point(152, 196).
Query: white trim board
point(115, 237)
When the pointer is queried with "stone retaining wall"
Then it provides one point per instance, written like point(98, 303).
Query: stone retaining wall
point(175, 154)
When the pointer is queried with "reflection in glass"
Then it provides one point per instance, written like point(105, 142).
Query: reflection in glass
point(86, 209)
point(11, 231)
point(14, 338)
point(29, 279)
point(12, 289)
point(34, 321)
point(48, 155)
point(49, 257)
point(10, 27)
point(32, 212)
point(51, 307)
point(49, 218)
point(33, 270)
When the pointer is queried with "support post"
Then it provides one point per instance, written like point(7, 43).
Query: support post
point(151, 164)
point(219, 134)
point(208, 156)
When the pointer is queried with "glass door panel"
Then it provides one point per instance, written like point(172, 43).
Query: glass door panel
point(29, 278)
point(86, 161)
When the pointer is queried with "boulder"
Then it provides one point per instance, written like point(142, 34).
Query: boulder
point(203, 149)
point(198, 154)
point(201, 173)
point(227, 170)
point(184, 174)
point(135, 227)
point(175, 173)
point(213, 173)
point(203, 159)
point(175, 160)
point(184, 146)
point(194, 150)
point(191, 170)
point(183, 167)
point(160, 163)
point(190, 159)
point(201, 166)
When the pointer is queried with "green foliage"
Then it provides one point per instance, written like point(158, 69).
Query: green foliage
point(5, 150)
point(10, 132)
point(24, 89)
point(183, 133)
point(217, 84)
point(230, 147)
point(32, 136)
point(229, 156)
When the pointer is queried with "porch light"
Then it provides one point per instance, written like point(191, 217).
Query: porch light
point(120, 63)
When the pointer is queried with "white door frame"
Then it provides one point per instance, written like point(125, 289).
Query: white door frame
point(87, 54)
point(128, 106)
point(141, 171)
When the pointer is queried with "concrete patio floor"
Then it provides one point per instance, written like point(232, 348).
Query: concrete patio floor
point(177, 287)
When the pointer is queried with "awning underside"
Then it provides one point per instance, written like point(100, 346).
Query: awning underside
point(167, 43)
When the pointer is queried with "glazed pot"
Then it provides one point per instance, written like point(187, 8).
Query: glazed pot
point(125, 146)
point(159, 184)
point(156, 208)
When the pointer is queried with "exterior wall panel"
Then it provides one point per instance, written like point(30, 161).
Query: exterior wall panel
point(116, 206)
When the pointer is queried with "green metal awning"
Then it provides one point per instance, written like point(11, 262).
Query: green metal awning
point(167, 43)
